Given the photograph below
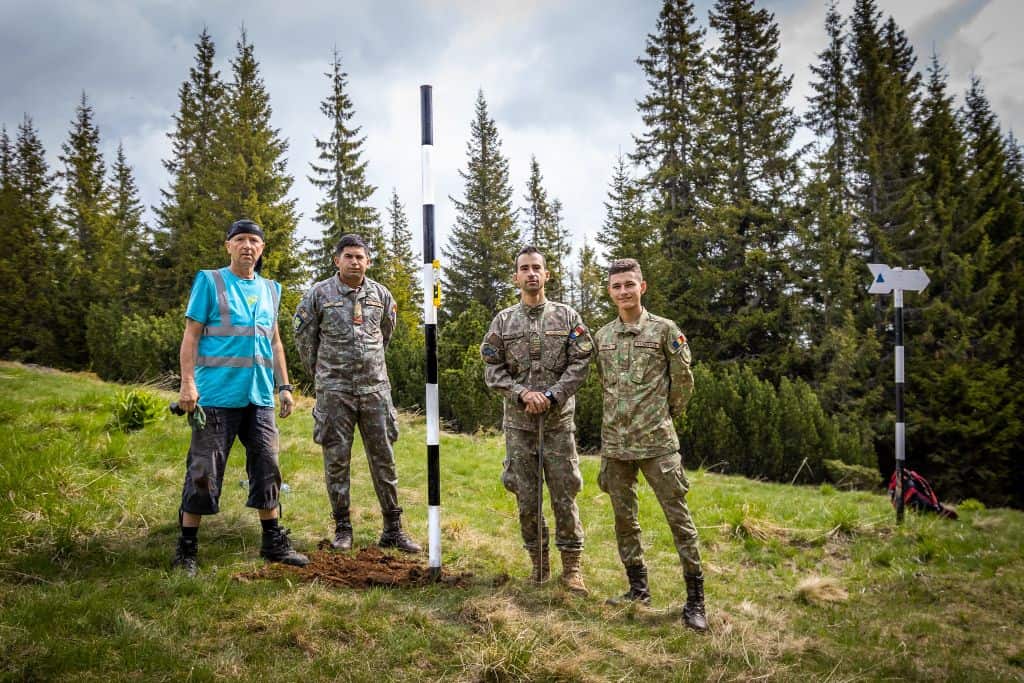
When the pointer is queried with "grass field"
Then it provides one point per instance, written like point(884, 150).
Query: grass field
point(803, 583)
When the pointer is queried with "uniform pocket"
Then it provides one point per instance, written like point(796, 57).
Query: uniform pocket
point(319, 419)
point(672, 465)
point(602, 476)
point(508, 479)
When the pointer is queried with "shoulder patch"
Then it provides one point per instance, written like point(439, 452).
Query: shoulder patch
point(586, 346)
point(578, 331)
point(679, 342)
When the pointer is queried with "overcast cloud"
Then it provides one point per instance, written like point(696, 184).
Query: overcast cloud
point(560, 78)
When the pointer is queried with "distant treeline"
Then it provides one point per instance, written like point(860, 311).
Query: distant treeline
point(757, 248)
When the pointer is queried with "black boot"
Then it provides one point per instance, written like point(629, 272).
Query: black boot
point(638, 591)
point(693, 612)
point(342, 532)
point(185, 556)
point(394, 537)
point(277, 548)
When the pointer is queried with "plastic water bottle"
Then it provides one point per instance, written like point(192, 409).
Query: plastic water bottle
point(285, 488)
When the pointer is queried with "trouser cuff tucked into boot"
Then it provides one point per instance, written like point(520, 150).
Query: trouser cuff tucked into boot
point(572, 576)
point(394, 537)
point(541, 562)
point(636, 574)
point(342, 531)
point(694, 614)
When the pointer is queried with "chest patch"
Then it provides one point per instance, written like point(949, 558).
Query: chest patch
point(647, 344)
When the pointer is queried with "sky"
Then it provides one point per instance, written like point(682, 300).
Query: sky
point(559, 76)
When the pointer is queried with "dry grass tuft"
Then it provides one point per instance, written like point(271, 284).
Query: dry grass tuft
point(819, 590)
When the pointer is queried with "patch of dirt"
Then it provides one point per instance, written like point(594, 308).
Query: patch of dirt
point(367, 568)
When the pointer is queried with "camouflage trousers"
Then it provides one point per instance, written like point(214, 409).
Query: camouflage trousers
point(562, 474)
point(664, 474)
point(336, 416)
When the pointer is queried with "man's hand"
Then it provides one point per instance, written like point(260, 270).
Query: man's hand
point(287, 403)
point(188, 396)
point(536, 402)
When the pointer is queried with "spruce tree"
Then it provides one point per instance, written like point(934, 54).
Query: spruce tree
point(340, 174)
point(190, 232)
point(85, 213)
point(754, 314)
point(398, 268)
point(542, 227)
point(484, 240)
point(591, 301)
point(43, 321)
point(128, 259)
point(15, 248)
point(251, 178)
point(672, 150)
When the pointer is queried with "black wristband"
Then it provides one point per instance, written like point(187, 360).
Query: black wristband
point(284, 387)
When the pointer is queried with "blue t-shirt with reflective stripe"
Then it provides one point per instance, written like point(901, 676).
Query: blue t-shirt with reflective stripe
point(234, 364)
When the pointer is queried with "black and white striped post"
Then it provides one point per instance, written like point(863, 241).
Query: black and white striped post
point(896, 280)
point(431, 302)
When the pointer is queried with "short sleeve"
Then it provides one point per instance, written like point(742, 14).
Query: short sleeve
point(201, 300)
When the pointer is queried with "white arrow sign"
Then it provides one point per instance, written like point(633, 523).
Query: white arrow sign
point(886, 279)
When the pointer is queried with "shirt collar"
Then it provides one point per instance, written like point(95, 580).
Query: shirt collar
point(533, 310)
point(346, 290)
point(622, 327)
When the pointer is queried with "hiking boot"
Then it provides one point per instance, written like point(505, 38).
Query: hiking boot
point(693, 612)
point(394, 537)
point(342, 533)
point(278, 548)
point(541, 565)
point(185, 556)
point(638, 592)
point(572, 577)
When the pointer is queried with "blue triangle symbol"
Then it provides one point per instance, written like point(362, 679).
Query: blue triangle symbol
point(880, 278)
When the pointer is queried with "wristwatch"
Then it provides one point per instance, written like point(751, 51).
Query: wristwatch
point(551, 397)
point(284, 387)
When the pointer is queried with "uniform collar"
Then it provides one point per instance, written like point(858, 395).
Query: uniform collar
point(346, 290)
point(632, 328)
point(532, 311)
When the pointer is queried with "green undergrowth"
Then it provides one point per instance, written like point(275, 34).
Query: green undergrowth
point(803, 583)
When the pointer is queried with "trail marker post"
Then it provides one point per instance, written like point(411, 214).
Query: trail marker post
point(896, 281)
point(431, 302)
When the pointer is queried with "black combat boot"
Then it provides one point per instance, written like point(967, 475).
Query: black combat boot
point(342, 532)
point(693, 611)
point(394, 537)
point(277, 548)
point(638, 591)
point(185, 556)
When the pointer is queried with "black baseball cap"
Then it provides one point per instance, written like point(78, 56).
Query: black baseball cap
point(245, 226)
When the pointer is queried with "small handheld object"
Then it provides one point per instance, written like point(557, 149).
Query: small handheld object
point(197, 418)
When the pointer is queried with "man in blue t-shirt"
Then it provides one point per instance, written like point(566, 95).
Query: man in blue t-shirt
point(231, 361)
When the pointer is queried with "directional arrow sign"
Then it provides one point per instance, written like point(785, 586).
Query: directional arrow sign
point(886, 279)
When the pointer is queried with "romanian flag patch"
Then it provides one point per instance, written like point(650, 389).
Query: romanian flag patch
point(678, 342)
point(578, 332)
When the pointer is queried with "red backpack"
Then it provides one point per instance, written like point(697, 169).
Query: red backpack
point(918, 494)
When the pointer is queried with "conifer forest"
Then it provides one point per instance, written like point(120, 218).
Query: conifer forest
point(756, 246)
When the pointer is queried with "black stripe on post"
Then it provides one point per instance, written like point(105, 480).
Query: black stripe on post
point(430, 332)
point(433, 475)
point(428, 233)
point(426, 115)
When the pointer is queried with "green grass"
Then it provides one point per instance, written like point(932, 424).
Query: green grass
point(88, 524)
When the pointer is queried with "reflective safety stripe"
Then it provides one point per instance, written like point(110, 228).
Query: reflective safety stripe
point(237, 331)
point(225, 329)
point(233, 362)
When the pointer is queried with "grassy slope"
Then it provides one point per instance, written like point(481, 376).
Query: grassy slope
point(87, 520)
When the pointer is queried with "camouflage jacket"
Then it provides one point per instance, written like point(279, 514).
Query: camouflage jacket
point(544, 347)
point(341, 334)
point(646, 379)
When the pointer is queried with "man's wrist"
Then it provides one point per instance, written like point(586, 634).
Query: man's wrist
point(551, 397)
point(284, 387)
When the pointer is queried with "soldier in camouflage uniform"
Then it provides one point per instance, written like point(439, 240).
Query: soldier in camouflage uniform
point(536, 354)
point(342, 328)
point(644, 365)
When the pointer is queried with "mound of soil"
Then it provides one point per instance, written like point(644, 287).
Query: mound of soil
point(368, 567)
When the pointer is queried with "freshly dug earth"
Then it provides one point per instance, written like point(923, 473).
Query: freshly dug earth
point(369, 567)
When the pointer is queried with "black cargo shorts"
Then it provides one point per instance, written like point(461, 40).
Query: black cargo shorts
point(208, 456)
